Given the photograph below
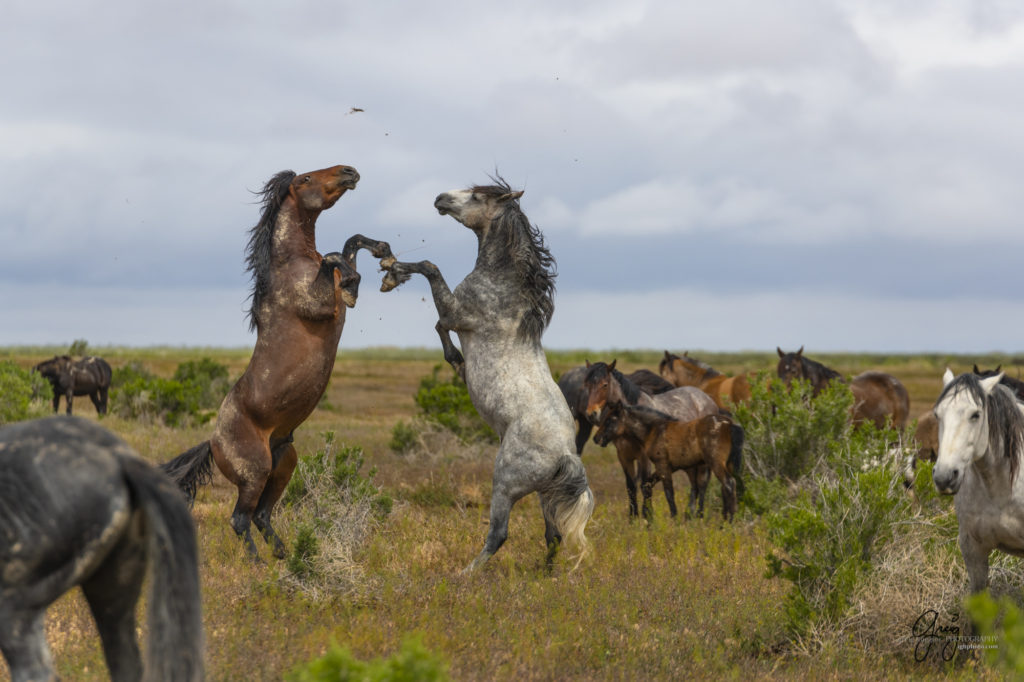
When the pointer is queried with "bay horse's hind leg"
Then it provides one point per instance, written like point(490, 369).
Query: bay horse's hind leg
point(112, 592)
point(23, 643)
point(283, 458)
point(244, 459)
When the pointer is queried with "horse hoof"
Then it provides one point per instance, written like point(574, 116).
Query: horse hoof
point(389, 282)
point(387, 262)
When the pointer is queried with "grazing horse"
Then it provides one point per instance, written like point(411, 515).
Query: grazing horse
point(499, 312)
point(571, 384)
point(713, 442)
point(688, 371)
point(298, 311)
point(877, 397)
point(79, 507)
point(981, 434)
point(89, 376)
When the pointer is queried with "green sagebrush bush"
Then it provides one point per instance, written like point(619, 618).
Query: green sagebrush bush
point(788, 432)
point(413, 662)
point(446, 403)
point(192, 395)
point(1000, 632)
point(333, 507)
point(23, 394)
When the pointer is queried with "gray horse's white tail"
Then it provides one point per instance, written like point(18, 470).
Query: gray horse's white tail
point(569, 503)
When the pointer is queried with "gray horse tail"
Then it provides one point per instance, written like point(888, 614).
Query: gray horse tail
point(736, 456)
point(175, 647)
point(569, 503)
point(191, 469)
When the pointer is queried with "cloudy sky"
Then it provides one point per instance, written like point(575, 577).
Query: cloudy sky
point(838, 174)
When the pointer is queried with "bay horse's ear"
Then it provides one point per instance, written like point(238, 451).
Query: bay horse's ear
point(612, 366)
point(511, 196)
point(588, 363)
point(998, 367)
point(779, 351)
point(686, 353)
point(801, 351)
point(947, 377)
point(978, 371)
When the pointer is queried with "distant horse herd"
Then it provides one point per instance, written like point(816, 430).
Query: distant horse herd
point(78, 507)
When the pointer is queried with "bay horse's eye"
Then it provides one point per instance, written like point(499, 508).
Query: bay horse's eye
point(307, 178)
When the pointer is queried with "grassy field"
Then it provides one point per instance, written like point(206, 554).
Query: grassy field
point(679, 599)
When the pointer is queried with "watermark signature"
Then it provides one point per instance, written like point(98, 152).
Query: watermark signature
point(942, 638)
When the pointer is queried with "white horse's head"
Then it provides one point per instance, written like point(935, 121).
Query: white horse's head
point(963, 429)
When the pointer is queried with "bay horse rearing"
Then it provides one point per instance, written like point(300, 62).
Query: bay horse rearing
point(298, 311)
point(878, 397)
point(78, 507)
point(499, 312)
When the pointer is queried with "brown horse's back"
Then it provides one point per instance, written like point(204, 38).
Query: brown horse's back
point(880, 398)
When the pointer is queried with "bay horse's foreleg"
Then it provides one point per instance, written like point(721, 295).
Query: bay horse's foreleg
point(68, 395)
point(284, 458)
point(627, 460)
point(379, 249)
point(665, 474)
point(23, 643)
point(452, 355)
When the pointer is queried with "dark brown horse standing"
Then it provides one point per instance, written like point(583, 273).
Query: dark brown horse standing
point(89, 376)
point(879, 398)
point(683, 370)
point(571, 384)
point(298, 311)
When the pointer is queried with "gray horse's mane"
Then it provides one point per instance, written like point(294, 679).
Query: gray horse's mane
point(1005, 421)
point(261, 236)
point(531, 259)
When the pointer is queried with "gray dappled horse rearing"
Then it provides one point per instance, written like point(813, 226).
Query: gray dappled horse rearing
point(499, 312)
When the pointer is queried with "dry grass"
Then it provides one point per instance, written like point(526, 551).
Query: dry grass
point(680, 599)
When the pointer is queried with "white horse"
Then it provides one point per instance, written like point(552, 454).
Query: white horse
point(499, 312)
point(981, 435)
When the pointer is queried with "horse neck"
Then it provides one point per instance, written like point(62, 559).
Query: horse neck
point(992, 470)
point(294, 232)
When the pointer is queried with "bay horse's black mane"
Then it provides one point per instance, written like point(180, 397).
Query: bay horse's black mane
point(1005, 422)
point(531, 259)
point(261, 236)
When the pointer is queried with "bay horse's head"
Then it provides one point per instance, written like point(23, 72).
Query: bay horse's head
point(597, 386)
point(681, 370)
point(612, 425)
point(791, 365)
point(321, 189)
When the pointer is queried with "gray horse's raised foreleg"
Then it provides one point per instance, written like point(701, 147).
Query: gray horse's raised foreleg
point(452, 355)
point(448, 309)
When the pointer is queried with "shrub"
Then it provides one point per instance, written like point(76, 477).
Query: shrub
point(1000, 631)
point(829, 538)
point(448, 403)
point(333, 507)
point(413, 662)
point(23, 394)
point(78, 347)
point(788, 432)
point(191, 396)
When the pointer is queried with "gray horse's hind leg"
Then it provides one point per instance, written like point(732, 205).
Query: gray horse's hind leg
point(23, 643)
point(501, 507)
point(112, 592)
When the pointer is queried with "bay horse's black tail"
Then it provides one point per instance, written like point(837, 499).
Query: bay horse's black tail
point(736, 456)
point(191, 469)
point(175, 647)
